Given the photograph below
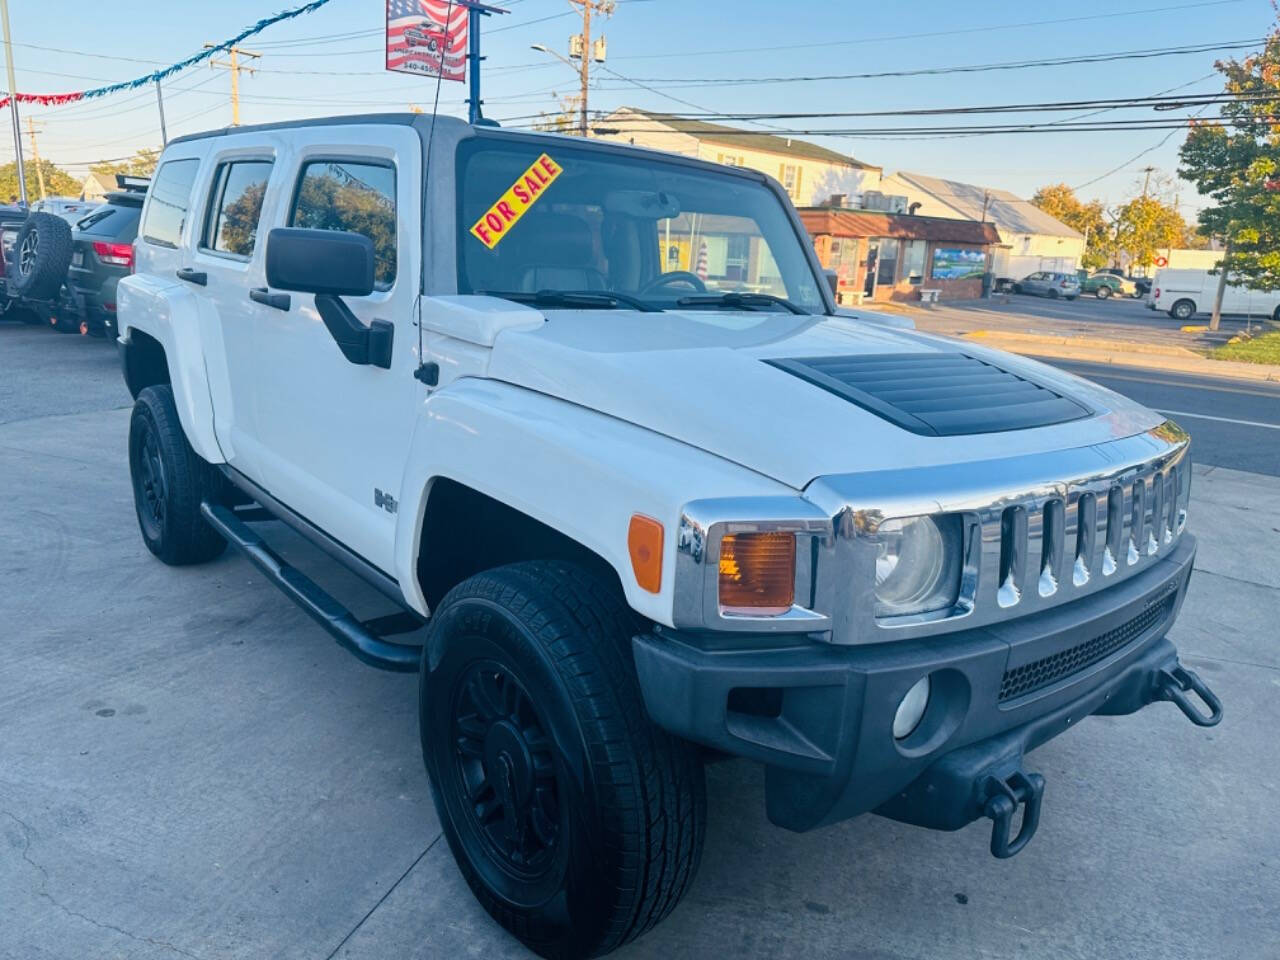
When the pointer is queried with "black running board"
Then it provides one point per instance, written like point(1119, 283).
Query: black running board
point(350, 633)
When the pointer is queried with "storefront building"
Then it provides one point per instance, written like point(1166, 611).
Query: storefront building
point(880, 256)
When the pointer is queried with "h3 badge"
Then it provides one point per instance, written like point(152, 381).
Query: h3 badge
point(384, 500)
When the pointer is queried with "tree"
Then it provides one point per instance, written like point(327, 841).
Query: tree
point(1236, 163)
point(1144, 226)
point(1060, 201)
point(566, 121)
point(141, 164)
point(57, 182)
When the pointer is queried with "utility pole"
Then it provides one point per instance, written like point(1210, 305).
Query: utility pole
point(35, 154)
point(605, 8)
point(164, 134)
point(234, 65)
point(13, 104)
point(1146, 183)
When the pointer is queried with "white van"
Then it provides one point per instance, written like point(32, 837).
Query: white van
point(1184, 293)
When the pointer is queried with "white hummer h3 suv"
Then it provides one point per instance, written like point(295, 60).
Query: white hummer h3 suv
point(589, 415)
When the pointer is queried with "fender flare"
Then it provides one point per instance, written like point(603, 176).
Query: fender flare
point(580, 472)
point(170, 314)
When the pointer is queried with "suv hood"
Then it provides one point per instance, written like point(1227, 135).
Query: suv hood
point(702, 377)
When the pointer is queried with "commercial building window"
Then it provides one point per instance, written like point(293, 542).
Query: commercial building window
point(731, 160)
point(235, 206)
point(170, 196)
point(913, 260)
point(887, 262)
point(789, 175)
point(355, 196)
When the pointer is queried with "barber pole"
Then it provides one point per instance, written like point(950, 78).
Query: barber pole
point(701, 268)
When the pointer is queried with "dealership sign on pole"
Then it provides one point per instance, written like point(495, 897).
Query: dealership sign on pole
point(428, 37)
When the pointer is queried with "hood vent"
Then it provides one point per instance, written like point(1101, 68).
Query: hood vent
point(937, 394)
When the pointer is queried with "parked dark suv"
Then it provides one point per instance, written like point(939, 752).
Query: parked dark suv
point(102, 253)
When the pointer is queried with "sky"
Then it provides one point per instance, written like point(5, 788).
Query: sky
point(331, 62)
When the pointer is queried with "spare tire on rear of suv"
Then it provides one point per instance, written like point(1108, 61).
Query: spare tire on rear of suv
point(41, 255)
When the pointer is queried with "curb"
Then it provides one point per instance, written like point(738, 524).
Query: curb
point(1113, 352)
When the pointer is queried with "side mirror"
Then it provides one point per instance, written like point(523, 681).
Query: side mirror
point(332, 264)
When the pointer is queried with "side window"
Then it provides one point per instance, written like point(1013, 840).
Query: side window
point(354, 195)
point(170, 197)
point(235, 204)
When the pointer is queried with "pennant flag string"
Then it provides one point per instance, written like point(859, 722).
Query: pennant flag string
point(57, 99)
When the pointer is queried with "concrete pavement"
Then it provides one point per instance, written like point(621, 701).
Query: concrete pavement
point(189, 767)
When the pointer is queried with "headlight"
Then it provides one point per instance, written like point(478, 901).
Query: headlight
point(917, 565)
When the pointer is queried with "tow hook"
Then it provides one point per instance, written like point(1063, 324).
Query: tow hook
point(1174, 683)
point(1003, 795)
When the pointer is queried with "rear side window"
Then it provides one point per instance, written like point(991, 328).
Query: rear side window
point(358, 196)
point(235, 205)
point(170, 198)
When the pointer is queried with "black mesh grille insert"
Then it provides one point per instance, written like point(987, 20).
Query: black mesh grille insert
point(937, 394)
point(1040, 673)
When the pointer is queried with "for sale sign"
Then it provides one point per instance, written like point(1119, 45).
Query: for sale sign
point(427, 37)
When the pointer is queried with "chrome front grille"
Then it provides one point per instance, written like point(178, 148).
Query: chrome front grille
point(1059, 543)
point(1040, 530)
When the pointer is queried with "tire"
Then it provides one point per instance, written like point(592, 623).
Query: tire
point(169, 481)
point(613, 812)
point(1102, 293)
point(1183, 309)
point(1053, 293)
point(41, 255)
point(1017, 288)
point(1275, 315)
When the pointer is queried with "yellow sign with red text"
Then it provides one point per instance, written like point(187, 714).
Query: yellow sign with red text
point(512, 205)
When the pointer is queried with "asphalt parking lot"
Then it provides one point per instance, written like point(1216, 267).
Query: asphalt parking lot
point(189, 767)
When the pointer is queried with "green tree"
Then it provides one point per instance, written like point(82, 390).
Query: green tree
point(141, 164)
point(1060, 201)
point(57, 182)
point(1146, 225)
point(1236, 163)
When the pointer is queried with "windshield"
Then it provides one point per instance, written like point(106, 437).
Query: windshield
point(623, 232)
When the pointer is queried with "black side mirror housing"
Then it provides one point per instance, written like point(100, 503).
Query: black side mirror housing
point(332, 264)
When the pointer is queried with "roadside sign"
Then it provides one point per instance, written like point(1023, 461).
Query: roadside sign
point(419, 40)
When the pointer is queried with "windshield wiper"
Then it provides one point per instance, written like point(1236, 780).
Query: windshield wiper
point(744, 301)
point(584, 299)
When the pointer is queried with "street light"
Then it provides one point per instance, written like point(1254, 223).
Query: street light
point(582, 122)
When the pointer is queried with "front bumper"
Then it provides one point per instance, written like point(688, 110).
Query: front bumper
point(820, 716)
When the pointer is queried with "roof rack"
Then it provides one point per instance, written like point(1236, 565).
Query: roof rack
point(132, 184)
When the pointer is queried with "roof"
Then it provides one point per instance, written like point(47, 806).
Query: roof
point(105, 181)
point(836, 222)
point(734, 136)
point(1010, 213)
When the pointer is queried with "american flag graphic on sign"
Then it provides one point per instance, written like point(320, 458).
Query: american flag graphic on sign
point(420, 41)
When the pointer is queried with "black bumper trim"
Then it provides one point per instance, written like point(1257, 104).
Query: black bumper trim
point(826, 740)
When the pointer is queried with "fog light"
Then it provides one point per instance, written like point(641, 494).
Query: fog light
point(911, 709)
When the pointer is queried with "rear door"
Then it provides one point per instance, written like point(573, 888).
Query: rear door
point(224, 263)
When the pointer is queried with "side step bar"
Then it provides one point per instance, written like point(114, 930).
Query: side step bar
point(350, 633)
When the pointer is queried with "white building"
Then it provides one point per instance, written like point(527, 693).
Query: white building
point(1030, 239)
point(810, 173)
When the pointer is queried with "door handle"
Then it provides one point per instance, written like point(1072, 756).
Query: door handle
point(279, 301)
point(198, 277)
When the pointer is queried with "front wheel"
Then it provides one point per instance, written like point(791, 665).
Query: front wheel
point(169, 482)
point(577, 823)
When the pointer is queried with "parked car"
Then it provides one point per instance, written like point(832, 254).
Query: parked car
point(1103, 285)
point(643, 513)
point(1184, 293)
point(101, 254)
point(69, 209)
point(1051, 285)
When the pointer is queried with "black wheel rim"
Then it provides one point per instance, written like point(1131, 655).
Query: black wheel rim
point(149, 483)
point(505, 766)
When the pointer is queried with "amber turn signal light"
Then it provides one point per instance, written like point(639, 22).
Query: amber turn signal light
point(757, 573)
point(644, 543)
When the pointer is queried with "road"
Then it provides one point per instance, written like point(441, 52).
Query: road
point(1233, 423)
point(191, 768)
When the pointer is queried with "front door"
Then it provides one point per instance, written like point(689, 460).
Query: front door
point(873, 254)
point(333, 436)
